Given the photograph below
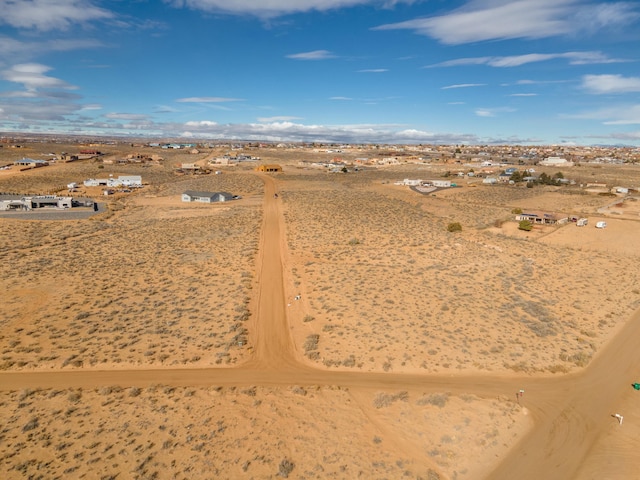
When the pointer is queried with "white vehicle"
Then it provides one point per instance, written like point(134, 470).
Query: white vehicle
point(601, 225)
point(582, 222)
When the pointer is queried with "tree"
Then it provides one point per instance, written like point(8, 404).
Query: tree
point(544, 179)
point(516, 177)
point(525, 225)
point(454, 227)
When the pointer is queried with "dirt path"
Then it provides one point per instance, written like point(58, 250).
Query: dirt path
point(570, 412)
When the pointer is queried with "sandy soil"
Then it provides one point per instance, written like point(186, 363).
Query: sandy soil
point(390, 364)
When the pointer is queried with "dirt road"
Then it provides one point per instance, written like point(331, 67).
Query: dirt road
point(570, 412)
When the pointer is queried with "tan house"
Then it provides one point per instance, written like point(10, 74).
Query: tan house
point(269, 168)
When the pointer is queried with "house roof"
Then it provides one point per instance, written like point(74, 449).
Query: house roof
point(193, 193)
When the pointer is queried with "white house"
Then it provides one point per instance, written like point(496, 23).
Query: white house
point(126, 181)
point(206, 197)
point(556, 162)
point(441, 183)
point(121, 181)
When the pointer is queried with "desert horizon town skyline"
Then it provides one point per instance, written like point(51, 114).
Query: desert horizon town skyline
point(355, 71)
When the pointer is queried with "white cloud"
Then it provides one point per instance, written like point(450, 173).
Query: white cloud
point(600, 84)
point(464, 85)
point(492, 112)
point(523, 95)
point(277, 119)
point(50, 14)
point(623, 114)
point(313, 55)
point(341, 98)
point(574, 58)
point(482, 20)
point(36, 110)
point(32, 77)
point(295, 132)
point(373, 70)
point(126, 116)
point(202, 123)
point(274, 8)
point(208, 100)
point(12, 50)
point(481, 112)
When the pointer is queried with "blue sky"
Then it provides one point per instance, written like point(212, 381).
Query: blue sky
point(394, 71)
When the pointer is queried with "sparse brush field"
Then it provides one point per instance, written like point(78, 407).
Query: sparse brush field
point(136, 286)
point(389, 288)
point(250, 432)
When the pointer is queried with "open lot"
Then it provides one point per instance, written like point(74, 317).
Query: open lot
point(359, 338)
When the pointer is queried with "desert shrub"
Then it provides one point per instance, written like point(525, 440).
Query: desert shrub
point(354, 241)
point(285, 468)
point(454, 227)
point(31, 424)
point(436, 399)
point(516, 211)
point(311, 343)
point(386, 399)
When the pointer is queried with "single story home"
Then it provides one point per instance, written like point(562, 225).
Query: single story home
point(121, 181)
point(206, 197)
point(29, 162)
point(542, 218)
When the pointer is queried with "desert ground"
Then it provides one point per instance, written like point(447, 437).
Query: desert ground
point(336, 331)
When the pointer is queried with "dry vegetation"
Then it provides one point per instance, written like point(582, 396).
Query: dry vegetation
point(134, 286)
point(388, 288)
point(382, 285)
point(186, 433)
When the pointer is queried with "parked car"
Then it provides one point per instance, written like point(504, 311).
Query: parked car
point(601, 225)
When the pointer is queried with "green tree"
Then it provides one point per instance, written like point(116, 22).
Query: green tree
point(454, 227)
point(544, 179)
point(525, 225)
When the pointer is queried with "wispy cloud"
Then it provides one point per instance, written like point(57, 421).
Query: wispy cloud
point(623, 114)
point(277, 119)
point(13, 50)
point(574, 58)
point(464, 85)
point(274, 8)
point(600, 84)
point(126, 116)
point(340, 98)
point(313, 55)
point(32, 77)
point(493, 112)
point(373, 70)
point(523, 95)
point(50, 15)
point(208, 100)
point(482, 20)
